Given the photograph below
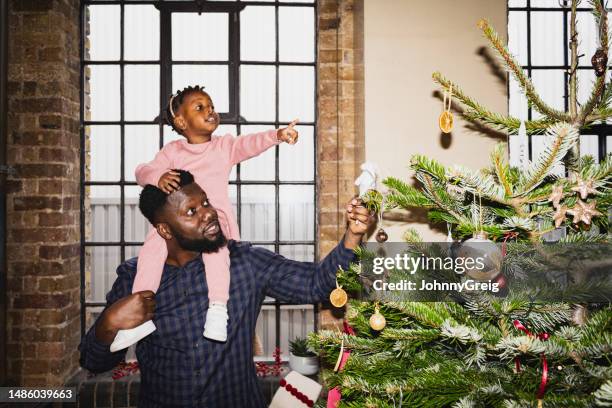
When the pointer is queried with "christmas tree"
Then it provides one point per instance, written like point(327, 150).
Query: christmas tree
point(486, 350)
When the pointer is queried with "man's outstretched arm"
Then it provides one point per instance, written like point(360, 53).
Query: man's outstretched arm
point(308, 282)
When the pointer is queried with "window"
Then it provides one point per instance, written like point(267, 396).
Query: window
point(257, 60)
point(538, 36)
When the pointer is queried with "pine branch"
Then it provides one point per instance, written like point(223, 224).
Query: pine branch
point(478, 183)
point(573, 81)
point(603, 396)
point(561, 138)
point(404, 195)
point(500, 165)
point(424, 164)
point(478, 113)
point(599, 88)
point(525, 83)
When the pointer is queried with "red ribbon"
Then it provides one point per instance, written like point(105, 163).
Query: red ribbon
point(333, 395)
point(543, 337)
point(507, 236)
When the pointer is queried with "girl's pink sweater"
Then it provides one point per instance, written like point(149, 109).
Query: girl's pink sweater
point(211, 164)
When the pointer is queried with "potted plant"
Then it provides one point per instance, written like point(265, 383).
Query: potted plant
point(301, 358)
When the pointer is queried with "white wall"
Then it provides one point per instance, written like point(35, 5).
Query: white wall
point(405, 42)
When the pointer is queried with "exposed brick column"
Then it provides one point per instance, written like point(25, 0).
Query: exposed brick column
point(43, 196)
point(340, 137)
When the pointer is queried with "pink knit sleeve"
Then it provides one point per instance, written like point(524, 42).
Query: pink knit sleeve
point(150, 173)
point(244, 147)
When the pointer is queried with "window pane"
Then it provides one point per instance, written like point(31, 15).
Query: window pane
point(136, 226)
point(261, 167)
point(517, 35)
point(547, 3)
point(257, 218)
point(201, 37)
point(257, 34)
point(517, 3)
point(296, 93)
point(223, 130)
point(103, 92)
point(587, 31)
point(302, 253)
point(141, 89)
point(213, 77)
point(141, 144)
point(296, 162)
point(608, 144)
point(296, 34)
point(296, 213)
point(296, 321)
point(141, 33)
point(547, 38)
point(104, 217)
point(589, 146)
point(550, 86)
point(104, 262)
point(586, 79)
point(170, 135)
point(103, 38)
point(257, 92)
point(518, 102)
point(103, 153)
point(132, 251)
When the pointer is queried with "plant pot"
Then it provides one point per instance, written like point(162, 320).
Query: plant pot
point(304, 365)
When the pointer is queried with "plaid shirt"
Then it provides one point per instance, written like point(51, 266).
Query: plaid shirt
point(179, 367)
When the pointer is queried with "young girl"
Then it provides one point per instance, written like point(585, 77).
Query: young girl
point(191, 113)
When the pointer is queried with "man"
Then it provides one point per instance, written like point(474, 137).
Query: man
point(179, 367)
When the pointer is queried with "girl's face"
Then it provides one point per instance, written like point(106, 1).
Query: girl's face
point(199, 114)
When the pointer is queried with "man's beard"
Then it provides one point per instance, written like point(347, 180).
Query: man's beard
point(202, 245)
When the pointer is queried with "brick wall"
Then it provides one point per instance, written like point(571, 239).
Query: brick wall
point(340, 138)
point(43, 280)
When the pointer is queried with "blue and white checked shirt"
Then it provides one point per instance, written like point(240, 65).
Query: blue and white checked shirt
point(179, 367)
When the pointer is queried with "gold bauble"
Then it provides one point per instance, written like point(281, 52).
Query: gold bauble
point(446, 121)
point(378, 321)
point(338, 297)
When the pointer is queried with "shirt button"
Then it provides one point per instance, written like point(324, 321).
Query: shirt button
point(196, 345)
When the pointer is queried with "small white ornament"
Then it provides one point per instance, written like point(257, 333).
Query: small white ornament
point(519, 148)
point(449, 236)
point(367, 179)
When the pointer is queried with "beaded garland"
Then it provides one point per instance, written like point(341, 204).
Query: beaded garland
point(296, 393)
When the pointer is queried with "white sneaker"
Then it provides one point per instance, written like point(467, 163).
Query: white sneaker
point(215, 327)
point(125, 338)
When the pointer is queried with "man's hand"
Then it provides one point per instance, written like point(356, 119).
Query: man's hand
point(288, 134)
point(126, 313)
point(359, 222)
point(169, 182)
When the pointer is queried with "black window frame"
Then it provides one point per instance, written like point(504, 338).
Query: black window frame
point(602, 131)
point(165, 62)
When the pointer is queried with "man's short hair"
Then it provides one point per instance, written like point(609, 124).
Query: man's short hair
point(152, 199)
